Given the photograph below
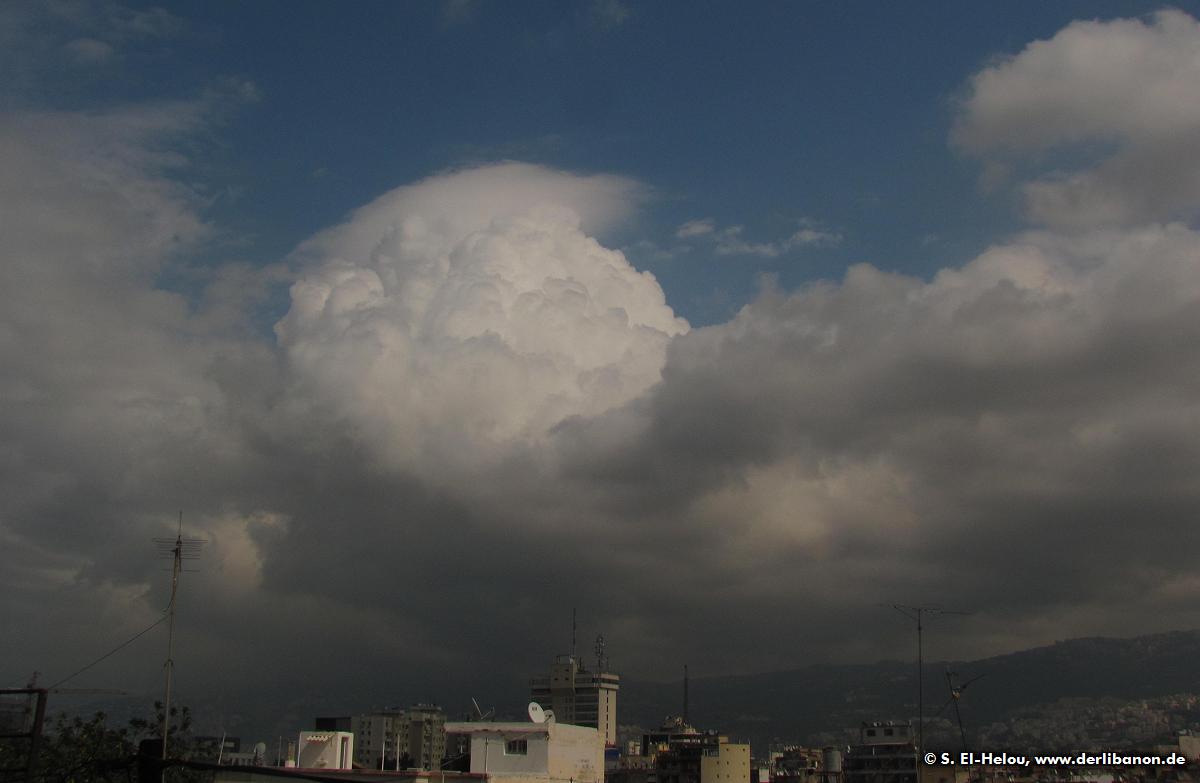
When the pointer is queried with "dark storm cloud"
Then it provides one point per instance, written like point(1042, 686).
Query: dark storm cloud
point(474, 418)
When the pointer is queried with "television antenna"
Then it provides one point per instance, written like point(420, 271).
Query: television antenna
point(480, 715)
point(180, 550)
point(918, 613)
point(956, 692)
point(601, 654)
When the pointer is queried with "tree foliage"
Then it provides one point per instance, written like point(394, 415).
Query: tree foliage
point(78, 750)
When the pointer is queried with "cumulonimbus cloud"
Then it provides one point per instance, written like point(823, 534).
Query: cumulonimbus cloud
point(474, 416)
point(472, 309)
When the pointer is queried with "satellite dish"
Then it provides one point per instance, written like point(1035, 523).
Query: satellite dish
point(536, 713)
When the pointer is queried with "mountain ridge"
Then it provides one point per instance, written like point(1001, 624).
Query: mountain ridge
point(821, 703)
point(827, 699)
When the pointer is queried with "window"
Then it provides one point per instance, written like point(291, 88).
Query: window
point(516, 748)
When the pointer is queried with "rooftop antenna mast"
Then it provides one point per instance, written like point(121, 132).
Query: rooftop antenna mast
point(918, 613)
point(179, 550)
point(685, 696)
point(601, 656)
point(956, 692)
point(480, 714)
point(572, 634)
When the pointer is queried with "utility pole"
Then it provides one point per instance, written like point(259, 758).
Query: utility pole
point(917, 613)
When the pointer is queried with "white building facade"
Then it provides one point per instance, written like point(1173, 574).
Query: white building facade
point(325, 750)
point(548, 752)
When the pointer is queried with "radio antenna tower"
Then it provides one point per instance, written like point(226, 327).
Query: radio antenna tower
point(178, 549)
point(685, 695)
point(918, 613)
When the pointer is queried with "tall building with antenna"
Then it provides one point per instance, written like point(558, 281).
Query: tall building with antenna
point(580, 696)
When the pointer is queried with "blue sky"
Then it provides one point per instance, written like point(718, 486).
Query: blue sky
point(767, 116)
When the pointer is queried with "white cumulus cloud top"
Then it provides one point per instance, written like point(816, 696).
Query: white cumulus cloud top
point(471, 309)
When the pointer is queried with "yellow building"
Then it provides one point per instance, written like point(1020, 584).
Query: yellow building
point(728, 763)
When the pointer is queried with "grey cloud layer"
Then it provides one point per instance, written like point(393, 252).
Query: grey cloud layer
point(474, 417)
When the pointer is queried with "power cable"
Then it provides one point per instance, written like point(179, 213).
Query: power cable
point(111, 652)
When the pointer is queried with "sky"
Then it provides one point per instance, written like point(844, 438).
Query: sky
point(720, 324)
